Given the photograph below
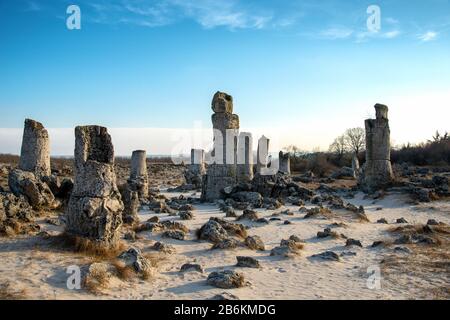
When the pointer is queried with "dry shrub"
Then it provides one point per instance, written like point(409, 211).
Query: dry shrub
point(7, 292)
point(87, 246)
point(439, 233)
point(426, 261)
point(97, 280)
point(123, 271)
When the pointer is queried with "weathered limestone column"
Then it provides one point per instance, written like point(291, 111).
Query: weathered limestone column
point(35, 152)
point(34, 166)
point(284, 161)
point(95, 206)
point(222, 172)
point(262, 156)
point(196, 169)
point(138, 180)
point(377, 169)
point(355, 166)
point(245, 157)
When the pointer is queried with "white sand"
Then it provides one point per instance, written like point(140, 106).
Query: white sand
point(43, 273)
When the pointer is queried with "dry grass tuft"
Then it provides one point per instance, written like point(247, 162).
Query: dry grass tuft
point(123, 271)
point(7, 292)
point(86, 246)
point(97, 280)
point(426, 261)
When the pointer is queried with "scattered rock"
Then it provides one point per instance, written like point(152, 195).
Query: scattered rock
point(186, 215)
point(254, 243)
point(226, 244)
point(188, 267)
point(327, 255)
point(401, 220)
point(247, 262)
point(353, 242)
point(226, 279)
point(249, 215)
point(134, 258)
point(225, 296)
point(164, 248)
point(382, 221)
point(174, 234)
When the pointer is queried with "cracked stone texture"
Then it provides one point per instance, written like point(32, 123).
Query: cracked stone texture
point(35, 152)
point(377, 169)
point(95, 206)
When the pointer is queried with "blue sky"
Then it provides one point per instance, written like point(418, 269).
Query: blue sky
point(301, 65)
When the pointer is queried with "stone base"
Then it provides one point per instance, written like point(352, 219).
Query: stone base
point(98, 219)
point(244, 173)
point(218, 177)
point(377, 174)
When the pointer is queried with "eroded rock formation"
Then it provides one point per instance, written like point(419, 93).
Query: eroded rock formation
point(95, 206)
point(138, 180)
point(377, 169)
point(222, 172)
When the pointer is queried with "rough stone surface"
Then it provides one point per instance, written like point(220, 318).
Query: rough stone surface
point(213, 231)
point(187, 267)
point(35, 152)
point(196, 169)
point(226, 279)
point(284, 162)
point(95, 206)
point(327, 255)
point(222, 172)
point(35, 191)
point(131, 206)
point(138, 180)
point(377, 169)
point(247, 262)
point(255, 243)
point(245, 158)
point(133, 258)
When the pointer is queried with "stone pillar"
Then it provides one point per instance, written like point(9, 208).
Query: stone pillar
point(222, 172)
point(245, 157)
point(377, 169)
point(196, 169)
point(35, 152)
point(138, 180)
point(197, 165)
point(262, 156)
point(284, 161)
point(355, 166)
point(34, 168)
point(95, 206)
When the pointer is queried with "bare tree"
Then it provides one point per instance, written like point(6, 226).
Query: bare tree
point(339, 146)
point(355, 140)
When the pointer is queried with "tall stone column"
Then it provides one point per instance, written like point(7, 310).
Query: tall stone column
point(196, 169)
point(245, 157)
point(35, 151)
point(222, 172)
point(34, 168)
point(138, 180)
point(95, 206)
point(262, 156)
point(284, 161)
point(377, 169)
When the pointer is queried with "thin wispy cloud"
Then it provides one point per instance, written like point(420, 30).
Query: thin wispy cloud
point(336, 33)
point(428, 36)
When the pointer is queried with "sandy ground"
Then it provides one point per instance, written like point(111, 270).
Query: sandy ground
point(28, 263)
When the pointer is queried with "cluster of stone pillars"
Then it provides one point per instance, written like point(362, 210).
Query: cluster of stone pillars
point(233, 152)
